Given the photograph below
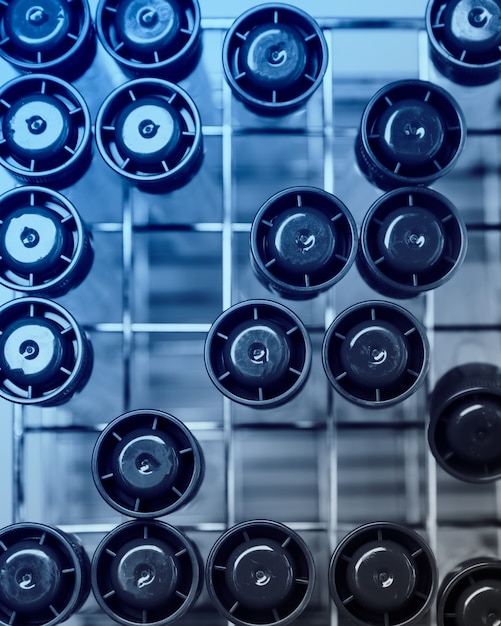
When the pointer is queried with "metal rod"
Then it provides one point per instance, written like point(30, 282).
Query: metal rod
point(227, 277)
point(127, 259)
point(18, 440)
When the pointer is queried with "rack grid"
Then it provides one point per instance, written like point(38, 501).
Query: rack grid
point(167, 265)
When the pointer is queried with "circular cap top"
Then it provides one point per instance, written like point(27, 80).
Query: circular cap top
point(31, 351)
point(273, 56)
point(260, 574)
point(144, 573)
point(480, 603)
point(37, 126)
point(374, 354)
point(472, 25)
point(148, 25)
point(146, 463)
point(37, 25)
point(257, 353)
point(30, 577)
point(410, 132)
point(301, 240)
point(382, 576)
point(411, 239)
point(148, 131)
point(31, 240)
point(473, 431)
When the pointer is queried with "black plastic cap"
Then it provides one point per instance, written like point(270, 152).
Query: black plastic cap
point(260, 572)
point(146, 572)
point(303, 241)
point(412, 240)
point(147, 463)
point(411, 133)
point(274, 58)
point(44, 575)
point(45, 247)
point(465, 422)
point(45, 130)
point(258, 353)
point(465, 39)
point(149, 131)
point(383, 574)
point(157, 38)
point(45, 357)
point(49, 36)
point(375, 354)
point(471, 594)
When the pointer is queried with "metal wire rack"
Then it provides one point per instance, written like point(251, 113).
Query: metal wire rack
point(166, 265)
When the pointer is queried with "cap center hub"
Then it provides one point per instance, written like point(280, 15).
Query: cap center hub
point(481, 434)
point(258, 353)
point(493, 619)
point(262, 578)
point(29, 349)
point(36, 15)
point(147, 464)
point(479, 17)
point(148, 129)
point(144, 575)
point(415, 131)
point(305, 240)
point(277, 55)
point(378, 355)
point(148, 17)
point(385, 579)
point(36, 124)
point(26, 581)
point(29, 237)
point(416, 240)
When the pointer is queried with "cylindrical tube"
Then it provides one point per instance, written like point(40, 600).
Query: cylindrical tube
point(149, 132)
point(412, 132)
point(465, 422)
point(260, 572)
point(151, 38)
point(412, 240)
point(44, 575)
point(303, 241)
point(146, 572)
point(465, 39)
point(146, 463)
point(46, 130)
point(375, 354)
point(258, 353)
point(50, 36)
point(470, 594)
point(274, 58)
point(45, 247)
point(45, 356)
point(383, 573)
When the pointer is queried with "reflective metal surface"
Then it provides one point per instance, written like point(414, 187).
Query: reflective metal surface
point(167, 265)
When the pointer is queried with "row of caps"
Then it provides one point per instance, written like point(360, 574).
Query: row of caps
point(258, 572)
point(258, 353)
point(149, 132)
point(303, 241)
point(146, 464)
point(274, 55)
